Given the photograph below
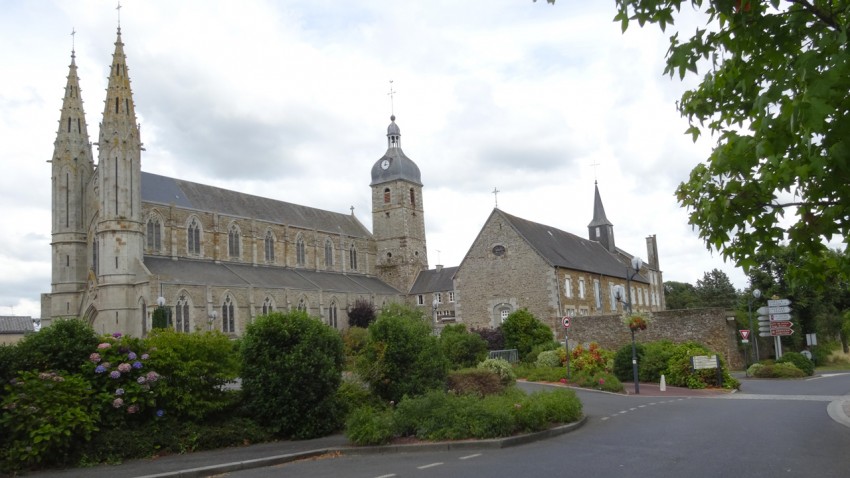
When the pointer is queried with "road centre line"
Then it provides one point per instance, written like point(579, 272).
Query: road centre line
point(386, 476)
point(429, 465)
point(470, 456)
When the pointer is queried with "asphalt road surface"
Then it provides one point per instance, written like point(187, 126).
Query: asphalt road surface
point(769, 429)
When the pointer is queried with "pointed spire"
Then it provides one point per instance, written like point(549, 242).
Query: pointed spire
point(73, 134)
point(599, 218)
point(119, 113)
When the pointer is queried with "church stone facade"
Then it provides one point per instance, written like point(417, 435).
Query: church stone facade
point(126, 242)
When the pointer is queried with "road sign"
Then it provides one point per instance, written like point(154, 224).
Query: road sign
point(778, 302)
point(780, 324)
point(566, 321)
point(745, 334)
point(774, 310)
point(780, 316)
point(780, 332)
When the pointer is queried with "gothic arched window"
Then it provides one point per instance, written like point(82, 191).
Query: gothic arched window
point(154, 234)
point(181, 313)
point(352, 258)
point(332, 315)
point(228, 317)
point(300, 251)
point(268, 306)
point(269, 246)
point(193, 237)
point(329, 253)
point(233, 242)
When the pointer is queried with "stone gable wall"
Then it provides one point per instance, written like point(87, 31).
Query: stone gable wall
point(706, 326)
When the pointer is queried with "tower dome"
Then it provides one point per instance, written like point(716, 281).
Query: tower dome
point(394, 164)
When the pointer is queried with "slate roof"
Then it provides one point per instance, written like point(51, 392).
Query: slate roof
point(433, 280)
point(228, 274)
point(563, 249)
point(185, 194)
point(16, 324)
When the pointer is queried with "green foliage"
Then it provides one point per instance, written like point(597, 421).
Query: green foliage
point(775, 370)
point(8, 363)
point(291, 369)
point(475, 381)
point(532, 356)
point(45, 416)
point(353, 394)
point(500, 367)
point(462, 348)
point(599, 381)
point(623, 362)
point(548, 358)
point(716, 290)
point(361, 314)
point(65, 345)
point(523, 331)
point(680, 295)
point(354, 341)
point(799, 360)
point(195, 368)
point(368, 426)
point(402, 357)
point(533, 373)
point(680, 372)
point(125, 385)
point(773, 92)
point(159, 318)
point(654, 360)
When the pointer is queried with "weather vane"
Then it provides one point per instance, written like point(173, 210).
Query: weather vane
point(390, 94)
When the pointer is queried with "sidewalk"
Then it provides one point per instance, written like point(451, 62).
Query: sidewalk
point(213, 462)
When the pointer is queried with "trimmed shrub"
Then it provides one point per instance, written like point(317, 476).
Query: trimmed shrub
point(194, 370)
point(461, 348)
point(65, 345)
point(654, 360)
point(623, 362)
point(680, 373)
point(776, 370)
point(538, 349)
point(500, 367)
point(291, 370)
point(540, 374)
point(599, 381)
point(476, 381)
point(494, 337)
point(591, 360)
point(46, 416)
point(800, 361)
point(402, 357)
point(523, 331)
point(548, 358)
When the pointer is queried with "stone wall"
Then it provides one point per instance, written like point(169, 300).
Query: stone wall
point(706, 326)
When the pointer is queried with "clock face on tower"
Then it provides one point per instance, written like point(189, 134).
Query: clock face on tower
point(385, 164)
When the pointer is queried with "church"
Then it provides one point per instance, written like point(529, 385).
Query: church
point(125, 242)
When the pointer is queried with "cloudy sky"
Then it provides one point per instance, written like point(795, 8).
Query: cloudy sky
point(289, 99)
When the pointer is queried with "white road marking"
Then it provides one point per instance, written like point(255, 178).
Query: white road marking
point(470, 456)
point(429, 466)
point(386, 476)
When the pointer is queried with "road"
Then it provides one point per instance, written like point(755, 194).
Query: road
point(769, 429)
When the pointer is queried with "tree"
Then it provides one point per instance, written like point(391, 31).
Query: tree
point(402, 356)
point(361, 314)
point(775, 96)
point(680, 295)
point(523, 331)
point(716, 290)
point(291, 370)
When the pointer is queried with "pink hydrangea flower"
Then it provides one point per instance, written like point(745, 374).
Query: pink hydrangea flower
point(124, 367)
point(94, 357)
point(104, 346)
point(132, 409)
point(118, 403)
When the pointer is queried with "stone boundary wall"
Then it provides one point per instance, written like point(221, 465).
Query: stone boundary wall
point(706, 326)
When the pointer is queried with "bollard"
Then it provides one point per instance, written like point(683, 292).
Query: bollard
point(663, 387)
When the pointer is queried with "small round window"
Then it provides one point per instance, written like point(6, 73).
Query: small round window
point(499, 250)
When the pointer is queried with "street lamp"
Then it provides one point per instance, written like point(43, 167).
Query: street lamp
point(754, 348)
point(160, 301)
point(434, 305)
point(637, 263)
point(210, 319)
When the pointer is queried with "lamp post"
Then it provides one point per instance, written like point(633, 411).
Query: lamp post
point(160, 301)
point(210, 319)
point(754, 348)
point(637, 263)
point(434, 307)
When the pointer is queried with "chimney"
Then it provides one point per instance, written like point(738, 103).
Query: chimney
point(439, 267)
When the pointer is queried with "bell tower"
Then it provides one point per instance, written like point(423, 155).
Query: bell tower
point(398, 215)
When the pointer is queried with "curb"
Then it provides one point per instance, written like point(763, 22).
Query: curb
point(372, 450)
point(837, 410)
